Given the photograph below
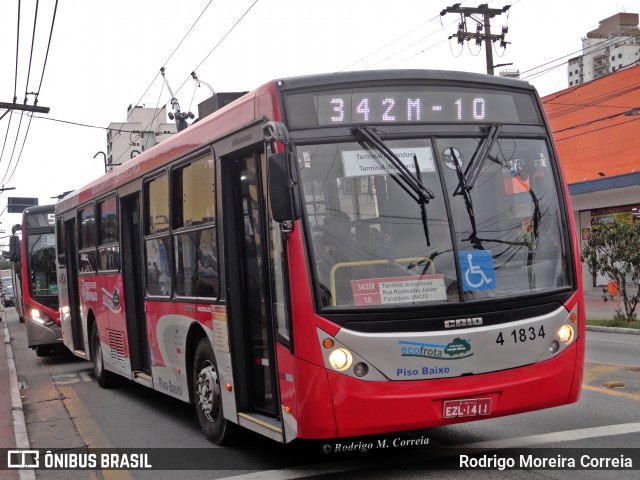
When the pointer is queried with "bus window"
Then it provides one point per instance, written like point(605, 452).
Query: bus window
point(157, 197)
point(196, 252)
point(87, 241)
point(193, 193)
point(366, 230)
point(158, 247)
point(511, 211)
point(196, 263)
point(158, 270)
point(108, 250)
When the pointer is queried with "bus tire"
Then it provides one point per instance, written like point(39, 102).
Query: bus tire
point(207, 395)
point(43, 350)
point(105, 378)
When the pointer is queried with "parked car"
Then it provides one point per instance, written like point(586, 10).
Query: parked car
point(8, 298)
point(6, 282)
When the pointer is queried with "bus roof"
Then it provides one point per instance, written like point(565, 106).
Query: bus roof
point(39, 209)
point(436, 76)
point(259, 103)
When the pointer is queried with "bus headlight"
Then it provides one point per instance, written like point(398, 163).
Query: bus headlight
point(41, 318)
point(340, 359)
point(565, 334)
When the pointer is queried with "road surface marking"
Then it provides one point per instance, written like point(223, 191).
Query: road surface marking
point(515, 442)
point(88, 429)
point(615, 393)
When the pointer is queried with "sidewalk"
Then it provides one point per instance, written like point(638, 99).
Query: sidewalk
point(12, 424)
point(597, 309)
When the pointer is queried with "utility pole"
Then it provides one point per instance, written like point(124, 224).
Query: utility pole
point(24, 108)
point(487, 14)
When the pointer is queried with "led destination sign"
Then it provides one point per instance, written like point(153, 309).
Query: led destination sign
point(409, 105)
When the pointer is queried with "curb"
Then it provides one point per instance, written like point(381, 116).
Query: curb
point(595, 328)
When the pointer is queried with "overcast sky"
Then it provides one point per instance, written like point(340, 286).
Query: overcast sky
point(106, 55)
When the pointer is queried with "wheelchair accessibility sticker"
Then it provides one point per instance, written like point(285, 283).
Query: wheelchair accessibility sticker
point(477, 270)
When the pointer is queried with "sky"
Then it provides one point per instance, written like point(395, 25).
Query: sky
point(105, 55)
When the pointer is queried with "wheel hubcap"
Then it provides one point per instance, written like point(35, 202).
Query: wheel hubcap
point(208, 391)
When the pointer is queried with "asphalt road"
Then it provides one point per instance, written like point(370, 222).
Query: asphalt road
point(65, 408)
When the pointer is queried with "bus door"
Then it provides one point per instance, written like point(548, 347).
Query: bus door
point(248, 289)
point(131, 245)
point(69, 239)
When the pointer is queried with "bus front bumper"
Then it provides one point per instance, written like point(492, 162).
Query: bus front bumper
point(39, 334)
point(364, 408)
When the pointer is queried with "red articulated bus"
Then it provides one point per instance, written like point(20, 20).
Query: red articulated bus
point(33, 268)
point(336, 255)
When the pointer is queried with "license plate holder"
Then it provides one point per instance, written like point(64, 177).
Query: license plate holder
point(466, 407)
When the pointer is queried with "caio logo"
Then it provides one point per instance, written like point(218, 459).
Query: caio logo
point(463, 322)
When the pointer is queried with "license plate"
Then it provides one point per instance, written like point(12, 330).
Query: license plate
point(470, 407)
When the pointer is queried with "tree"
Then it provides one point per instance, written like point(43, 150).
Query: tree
point(614, 251)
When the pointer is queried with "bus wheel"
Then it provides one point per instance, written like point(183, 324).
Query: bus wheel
point(43, 350)
point(207, 395)
point(105, 379)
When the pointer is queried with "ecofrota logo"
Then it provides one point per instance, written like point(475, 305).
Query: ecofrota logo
point(23, 459)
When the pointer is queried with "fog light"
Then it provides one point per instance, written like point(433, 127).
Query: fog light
point(553, 348)
point(340, 359)
point(565, 334)
point(360, 369)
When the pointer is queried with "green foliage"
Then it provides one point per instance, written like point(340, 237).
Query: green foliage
point(614, 252)
point(5, 264)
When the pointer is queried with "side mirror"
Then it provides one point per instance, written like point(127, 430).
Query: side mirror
point(14, 248)
point(284, 192)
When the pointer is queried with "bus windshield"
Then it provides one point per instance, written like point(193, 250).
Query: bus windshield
point(376, 244)
point(41, 265)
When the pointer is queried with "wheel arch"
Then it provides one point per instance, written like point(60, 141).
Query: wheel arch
point(89, 322)
point(194, 335)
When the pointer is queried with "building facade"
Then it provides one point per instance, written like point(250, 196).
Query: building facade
point(596, 129)
point(144, 128)
point(613, 46)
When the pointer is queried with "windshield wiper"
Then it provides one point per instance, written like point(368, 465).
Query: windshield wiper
point(411, 184)
point(472, 172)
point(467, 180)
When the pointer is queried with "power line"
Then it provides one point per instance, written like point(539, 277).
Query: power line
point(606, 43)
point(15, 144)
point(590, 122)
point(79, 124)
point(167, 61)
point(390, 43)
point(46, 57)
point(409, 46)
point(219, 42)
point(15, 82)
point(24, 141)
point(596, 130)
point(200, 64)
point(559, 111)
point(33, 38)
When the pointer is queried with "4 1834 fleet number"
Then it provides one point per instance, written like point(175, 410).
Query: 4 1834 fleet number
point(521, 335)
